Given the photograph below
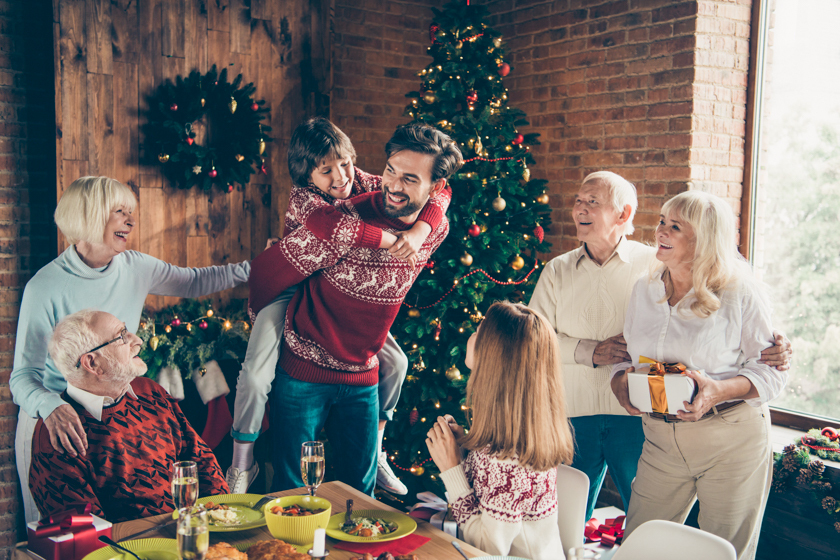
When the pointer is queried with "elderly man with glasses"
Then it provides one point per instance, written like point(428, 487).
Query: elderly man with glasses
point(134, 430)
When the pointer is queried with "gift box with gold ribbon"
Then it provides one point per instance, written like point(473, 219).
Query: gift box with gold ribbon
point(71, 534)
point(663, 388)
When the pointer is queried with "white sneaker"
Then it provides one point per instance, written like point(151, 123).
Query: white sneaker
point(385, 477)
point(239, 481)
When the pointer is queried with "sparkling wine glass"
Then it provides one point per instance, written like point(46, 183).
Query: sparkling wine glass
point(184, 484)
point(193, 538)
point(312, 465)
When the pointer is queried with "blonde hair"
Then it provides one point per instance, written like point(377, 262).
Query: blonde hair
point(621, 193)
point(515, 391)
point(72, 337)
point(85, 207)
point(716, 262)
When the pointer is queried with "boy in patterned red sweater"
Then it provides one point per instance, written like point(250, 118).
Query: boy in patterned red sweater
point(339, 318)
point(134, 430)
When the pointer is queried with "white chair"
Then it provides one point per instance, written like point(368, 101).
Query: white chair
point(572, 493)
point(666, 540)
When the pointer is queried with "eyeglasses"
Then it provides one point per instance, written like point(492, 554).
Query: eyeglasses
point(122, 336)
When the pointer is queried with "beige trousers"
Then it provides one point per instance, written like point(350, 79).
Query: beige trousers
point(724, 461)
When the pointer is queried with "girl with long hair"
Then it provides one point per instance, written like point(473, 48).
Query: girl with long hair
point(503, 493)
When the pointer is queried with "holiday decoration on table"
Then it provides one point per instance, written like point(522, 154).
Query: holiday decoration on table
point(188, 335)
point(492, 249)
point(221, 115)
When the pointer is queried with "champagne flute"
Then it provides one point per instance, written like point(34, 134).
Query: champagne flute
point(184, 484)
point(193, 538)
point(312, 465)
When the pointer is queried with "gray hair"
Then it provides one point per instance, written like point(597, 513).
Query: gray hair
point(621, 192)
point(72, 337)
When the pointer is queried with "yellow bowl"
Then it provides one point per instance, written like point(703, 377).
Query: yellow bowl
point(297, 530)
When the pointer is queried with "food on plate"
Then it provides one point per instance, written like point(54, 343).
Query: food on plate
point(223, 551)
point(385, 556)
point(368, 527)
point(275, 550)
point(295, 511)
point(221, 514)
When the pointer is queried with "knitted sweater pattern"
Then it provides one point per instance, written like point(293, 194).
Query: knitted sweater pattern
point(126, 473)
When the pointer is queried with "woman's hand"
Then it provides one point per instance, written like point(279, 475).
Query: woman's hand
point(778, 355)
point(271, 242)
point(66, 431)
point(708, 395)
point(442, 445)
point(457, 429)
point(622, 392)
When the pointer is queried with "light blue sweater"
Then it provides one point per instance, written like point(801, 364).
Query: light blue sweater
point(67, 285)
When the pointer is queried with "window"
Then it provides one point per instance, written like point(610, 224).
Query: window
point(795, 198)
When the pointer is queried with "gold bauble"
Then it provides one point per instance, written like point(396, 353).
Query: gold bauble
point(419, 365)
point(413, 312)
point(410, 378)
point(202, 371)
point(261, 146)
point(232, 105)
point(526, 175)
point(163, 158)
point(167, 328)
point(517, 263)
point(153, 343)
point(239, 157)
point(497, 42)
point(418, 470)
point(466, 259)
point(429, 97)
point(483, 228)
point(453, 374)
point(203, 101)
point(543, 198)
point(499, 204)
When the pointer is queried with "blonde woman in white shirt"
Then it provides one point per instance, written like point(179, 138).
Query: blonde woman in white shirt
point(704, 309)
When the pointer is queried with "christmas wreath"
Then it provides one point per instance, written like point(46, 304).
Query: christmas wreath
point(223, 114)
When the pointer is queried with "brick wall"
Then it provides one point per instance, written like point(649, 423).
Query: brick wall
point(27, 200)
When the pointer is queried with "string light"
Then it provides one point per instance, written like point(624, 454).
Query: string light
point(455, 284)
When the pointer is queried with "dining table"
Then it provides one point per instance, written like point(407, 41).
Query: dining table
point(439, 546)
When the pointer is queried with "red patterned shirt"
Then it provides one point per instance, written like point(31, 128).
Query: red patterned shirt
point(126, 473)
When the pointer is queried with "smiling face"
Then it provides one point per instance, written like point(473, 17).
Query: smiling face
point(121, 359)
point(334, 177)
point(595, 218)
point(117, 230)
point(675, 242)
point(407, 184)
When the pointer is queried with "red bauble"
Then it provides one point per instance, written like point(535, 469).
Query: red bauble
point(255, 106)
point(539, 233)
point(202, 325)
point(430, 264)
point(830, 433)
point(212, 173)
point(504, 69)
point(472, 96)
point(518, 139)
point(176, 322)
point(433, 29)
point(190, 141)
point(230, 188)
point(173, 107)
point(474, 230)
point(413, 416)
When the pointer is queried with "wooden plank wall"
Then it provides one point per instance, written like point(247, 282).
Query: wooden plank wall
point(110, 54)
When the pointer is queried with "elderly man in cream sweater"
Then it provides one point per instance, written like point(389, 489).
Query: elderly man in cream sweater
point(584, 294)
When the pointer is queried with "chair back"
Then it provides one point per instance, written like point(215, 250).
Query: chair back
point(666, 540)
point(572, 493)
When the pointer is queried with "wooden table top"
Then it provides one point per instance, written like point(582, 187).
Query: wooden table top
point(438, 548)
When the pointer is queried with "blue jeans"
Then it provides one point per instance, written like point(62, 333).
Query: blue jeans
point(603, 441)
point(350, 415)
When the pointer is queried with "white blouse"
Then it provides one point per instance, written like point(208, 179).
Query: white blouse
point(726, 344)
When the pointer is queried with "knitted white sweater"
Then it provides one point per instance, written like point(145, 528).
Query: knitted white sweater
point(586, 304)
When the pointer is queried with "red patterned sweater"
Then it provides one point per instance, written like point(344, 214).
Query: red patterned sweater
point(503, 507)
point(338, 320)
point(126, 473)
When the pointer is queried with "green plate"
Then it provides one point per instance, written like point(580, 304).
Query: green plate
point(405, 526)
point(249, 518)
point(147, 549)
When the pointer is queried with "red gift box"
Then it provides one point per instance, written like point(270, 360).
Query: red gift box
point(71, 534)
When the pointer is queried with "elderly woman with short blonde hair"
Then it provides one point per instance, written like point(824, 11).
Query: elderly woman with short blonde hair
point(95, 271)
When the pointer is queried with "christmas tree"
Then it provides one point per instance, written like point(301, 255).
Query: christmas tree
point(497, 219)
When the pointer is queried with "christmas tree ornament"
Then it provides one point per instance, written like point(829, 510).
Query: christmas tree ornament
point(429, 97)
point(453, 373)
point(413, 416)
point(499, 204)
point(543, 198)
point(410, 378)
point(209, 313)
point(517, 263)
point(202, 325)
point(255, 106)
point(190, 140)
point(230, 188)
point(476, 317)
point(419, 365)
point(203, 101)
point(430, 265)
point(526, 175)
point(239, 158)
point(418, 470)
point(261, 146)
point(212, 173)
point(176, 322)
point(153, 343)
point(414, 312)
point(167, 328)
point(163, 158)
point(202, 371)
point(479, 147)
point(504, 69)
point(232, 105)
point(483, 228)
point(539, 233)
point(438, 328)
point(173, 107)
point(474, 230)
point(472, 96)
point(518, 139)
point(196, 169)
point(189, 327)
point(466, 259)
point(433, 29)
point(497, 42)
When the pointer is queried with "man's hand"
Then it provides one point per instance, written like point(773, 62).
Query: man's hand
point(408, 243)
point(621, 390)
point(442, 445)
point(611, 351)
point(271, 242)
point(778, 355)
point(66, 431)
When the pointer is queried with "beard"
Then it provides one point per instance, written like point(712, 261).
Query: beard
point(126, 373)
point(393, 212)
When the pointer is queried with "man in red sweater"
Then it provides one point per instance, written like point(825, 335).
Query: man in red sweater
point(134, 430)
point(349, 296)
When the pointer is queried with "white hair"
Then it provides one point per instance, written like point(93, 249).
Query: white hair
point(621, 193)
point(72, 337)
point(85, 207)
